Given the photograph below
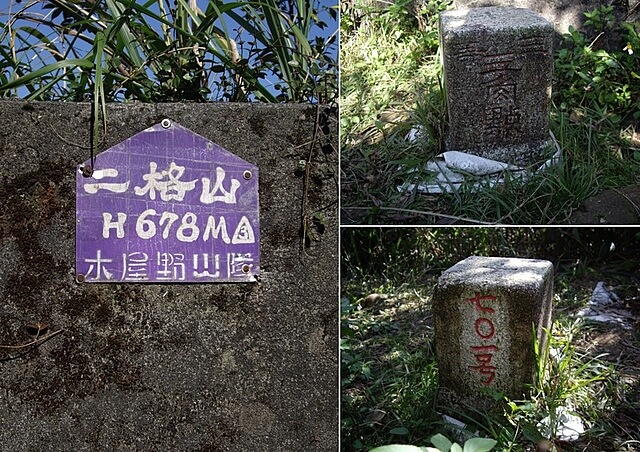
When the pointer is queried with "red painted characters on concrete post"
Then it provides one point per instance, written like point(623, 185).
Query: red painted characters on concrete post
point(485, 331)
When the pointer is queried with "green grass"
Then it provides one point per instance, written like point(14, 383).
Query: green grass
point(389, 375)
point(389, 383)
point(167, 51)
point(391, 83)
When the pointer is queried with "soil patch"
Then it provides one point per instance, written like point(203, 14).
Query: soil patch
point(613, 206)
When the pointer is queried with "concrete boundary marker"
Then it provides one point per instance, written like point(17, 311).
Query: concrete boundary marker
point(485, 311)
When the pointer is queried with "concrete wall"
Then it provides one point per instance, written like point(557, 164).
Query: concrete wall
point(166, 367)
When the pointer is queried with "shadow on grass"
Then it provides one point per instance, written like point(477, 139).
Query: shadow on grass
point(389, 375)
point(389, 372)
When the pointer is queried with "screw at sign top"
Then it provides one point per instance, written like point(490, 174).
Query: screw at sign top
point(86, 170)
point(166, 123)
point(247, 174)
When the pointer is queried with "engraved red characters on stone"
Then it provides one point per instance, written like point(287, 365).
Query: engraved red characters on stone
point(484, 367)
point(485, 330)
point(478, 299)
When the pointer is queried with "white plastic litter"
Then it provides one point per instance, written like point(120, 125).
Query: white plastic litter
point(459, 428)
point(478, 166)
point(602, 296)
point(450, 169)
point(568, 426)
point(454, 422)
point(416, 133)
point(603, 308)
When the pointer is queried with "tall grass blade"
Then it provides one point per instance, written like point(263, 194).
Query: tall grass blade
point(98, 93)
point(45, 70)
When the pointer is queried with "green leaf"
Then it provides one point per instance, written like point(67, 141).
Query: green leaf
point(397, 448)
point(479, 445)
point(612, 63)
point(44, 70)
point(530, 432)
point(124, 33)
point(441, 442)
point(455, 447)
point(98, 91)
point(399, 431)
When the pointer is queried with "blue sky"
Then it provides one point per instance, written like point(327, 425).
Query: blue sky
point(34, 9)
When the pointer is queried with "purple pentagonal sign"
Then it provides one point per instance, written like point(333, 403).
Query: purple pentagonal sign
point(167, 206)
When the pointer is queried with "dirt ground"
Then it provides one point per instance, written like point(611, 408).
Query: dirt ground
point(613, 206)
point(619, 346)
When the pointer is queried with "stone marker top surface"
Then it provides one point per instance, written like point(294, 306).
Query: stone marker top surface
point(497, 271)
point(492, 18)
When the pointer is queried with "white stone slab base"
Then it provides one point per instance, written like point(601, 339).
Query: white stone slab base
point(453, 170)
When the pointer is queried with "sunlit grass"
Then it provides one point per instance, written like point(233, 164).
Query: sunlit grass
point(391, 84)
point(170, 51)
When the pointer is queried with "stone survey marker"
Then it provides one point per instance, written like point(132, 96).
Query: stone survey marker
point(485, 309)
point(498, 66)
point(167, 205)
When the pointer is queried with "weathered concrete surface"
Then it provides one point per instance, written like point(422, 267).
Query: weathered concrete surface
point(221, 367)
point(484, 312)
point(498, 67)
point(563, 13)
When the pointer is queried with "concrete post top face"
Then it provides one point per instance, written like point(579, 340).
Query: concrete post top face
point(497, 271)
point(493, 19)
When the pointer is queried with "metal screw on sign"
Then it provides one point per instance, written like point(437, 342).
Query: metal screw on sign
point(245, 268)
point(87, 171)
point(166, 123)
point(247, 174)
point(80, 278)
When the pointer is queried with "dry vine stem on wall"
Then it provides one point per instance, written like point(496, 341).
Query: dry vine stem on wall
point(37, 341)
point(307, 176)
point(308, 219)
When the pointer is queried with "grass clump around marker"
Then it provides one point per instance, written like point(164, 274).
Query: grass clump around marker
point(389, 373)
point(393, 121)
